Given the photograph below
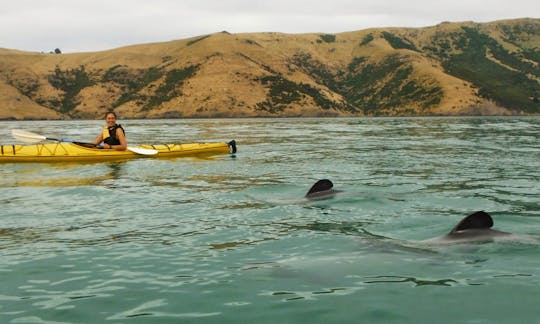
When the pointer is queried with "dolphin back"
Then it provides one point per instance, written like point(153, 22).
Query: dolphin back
point(477, 220)
point(320, 186)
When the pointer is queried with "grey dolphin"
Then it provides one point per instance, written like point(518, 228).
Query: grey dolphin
point(322, 189)
point(475, 227)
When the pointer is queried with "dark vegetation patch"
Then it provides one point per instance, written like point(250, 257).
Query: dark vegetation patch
point(367, 39)
point(133, 82)
point(169, 88)
point(386, 85)
point(508, 83)
point(197, 40)
point(283, 92)
point(71, 82)
point(327, 38)
point(399, 43)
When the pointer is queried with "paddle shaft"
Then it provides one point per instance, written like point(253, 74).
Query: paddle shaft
point(137, 150)
point(70, 141)
point(26, 136)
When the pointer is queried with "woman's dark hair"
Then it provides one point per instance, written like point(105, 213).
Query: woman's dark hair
point(111, 113)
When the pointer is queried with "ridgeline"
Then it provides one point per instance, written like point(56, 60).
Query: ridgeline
point(449, 69)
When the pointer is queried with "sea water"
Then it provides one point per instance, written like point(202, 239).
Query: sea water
point(231, 239)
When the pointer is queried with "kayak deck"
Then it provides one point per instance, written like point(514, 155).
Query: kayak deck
point(65, 152)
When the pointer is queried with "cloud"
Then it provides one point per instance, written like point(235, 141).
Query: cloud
point(86, 25)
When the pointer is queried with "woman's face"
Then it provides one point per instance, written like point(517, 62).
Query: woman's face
point(110, 119)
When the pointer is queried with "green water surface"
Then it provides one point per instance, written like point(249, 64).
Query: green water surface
point(230, 239)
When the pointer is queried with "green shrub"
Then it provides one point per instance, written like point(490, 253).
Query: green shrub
point(168, 89)
point(317, 70)
point(398, 43)
point(367, 39)
point(511, 88)
point(328, 38)
point(197, 40)
point(135, 84)
point(283, 92)
point(71, 82)
point(386, 86)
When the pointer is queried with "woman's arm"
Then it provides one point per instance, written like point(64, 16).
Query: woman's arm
point(98, 139)
point(122, 138)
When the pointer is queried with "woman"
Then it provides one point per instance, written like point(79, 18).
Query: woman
point(113, 136)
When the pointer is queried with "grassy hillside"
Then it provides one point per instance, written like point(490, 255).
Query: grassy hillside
point(448, 69)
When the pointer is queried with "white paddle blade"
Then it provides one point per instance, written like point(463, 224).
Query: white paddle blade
point(27, 137)
point(143, 151)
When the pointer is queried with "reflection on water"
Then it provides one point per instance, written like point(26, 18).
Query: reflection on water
point(54, 182)
point(415, 281)
point(59, 174)
point(231, 245)
point(347, 228)
point(302, 295)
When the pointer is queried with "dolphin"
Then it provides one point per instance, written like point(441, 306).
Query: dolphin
point(322, 189)
point(475, 227)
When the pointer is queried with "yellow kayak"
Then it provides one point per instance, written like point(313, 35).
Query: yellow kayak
point(67, 152)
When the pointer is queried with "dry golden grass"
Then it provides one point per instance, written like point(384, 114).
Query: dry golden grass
point(230, 66)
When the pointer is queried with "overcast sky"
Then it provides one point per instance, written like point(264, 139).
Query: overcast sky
point(95, 25)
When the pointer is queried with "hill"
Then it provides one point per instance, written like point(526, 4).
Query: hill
point(449, 69)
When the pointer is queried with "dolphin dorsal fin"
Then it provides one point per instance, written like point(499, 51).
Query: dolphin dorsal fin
point(321, 185)
point(477, 220)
